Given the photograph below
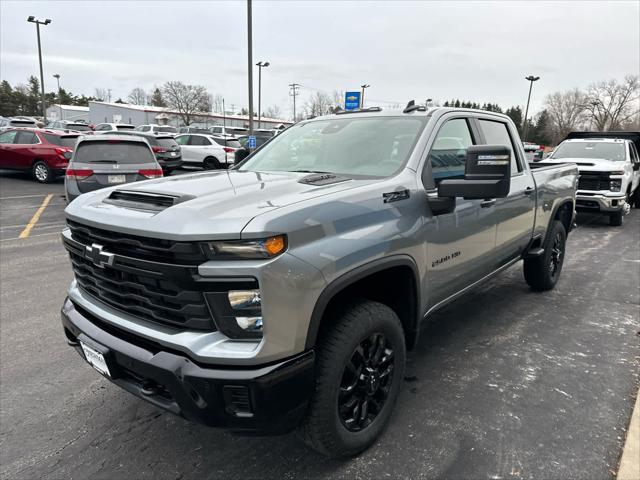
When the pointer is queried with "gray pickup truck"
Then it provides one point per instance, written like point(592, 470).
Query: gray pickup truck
point(284, 293)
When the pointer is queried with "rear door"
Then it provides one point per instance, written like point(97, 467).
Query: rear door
point(187, 150)
point(112, 162)
point(516, 212)
point(459, 244)
point(8, 158)
point(27, 149)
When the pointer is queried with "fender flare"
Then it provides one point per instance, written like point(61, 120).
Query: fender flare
point(353, 276)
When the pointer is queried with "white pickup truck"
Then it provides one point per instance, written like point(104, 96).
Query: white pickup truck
point(609, 166)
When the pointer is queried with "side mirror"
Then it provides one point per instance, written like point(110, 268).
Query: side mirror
point(487, 174)
point(636, 166)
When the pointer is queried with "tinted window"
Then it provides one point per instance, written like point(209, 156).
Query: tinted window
point(124, 127)
point(602, 150)
point(182, 139)
point(8, 137)
point(166, 142)
point(216, 129)
point(113, 151)
point(496, 133)
point(199, 141)
point(80, 128)
point(449, 151)
point(228, 142)
point(372, 147)
point(166, 129)
point(103, 127)
point(62, 141)
point(634, 154)
point(26, 138)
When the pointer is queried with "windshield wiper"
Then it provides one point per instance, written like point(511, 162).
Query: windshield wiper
point(311, 171)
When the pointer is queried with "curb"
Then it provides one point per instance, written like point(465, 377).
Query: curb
point(629, 468)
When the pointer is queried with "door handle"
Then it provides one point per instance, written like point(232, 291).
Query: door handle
point(488, 203)
point(529, 191)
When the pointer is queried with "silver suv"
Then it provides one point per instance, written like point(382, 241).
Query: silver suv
point(285, 292)
point(107, 160)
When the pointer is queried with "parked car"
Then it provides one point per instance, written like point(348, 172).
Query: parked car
point(609, 167)
point(167, 152)
point(6, 123)
point(284, 293)
point(155, 128)
point(533, 151)
point(43, 153)
point(106, 160)
point(221, 131)
point(68, 126)
point(194, 130)
point(204, 151)
point(244, 151)
point(112, 127)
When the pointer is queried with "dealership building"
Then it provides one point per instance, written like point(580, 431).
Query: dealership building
point(67, 112)
point(106, 112)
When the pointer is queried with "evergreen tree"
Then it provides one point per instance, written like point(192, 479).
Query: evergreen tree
point(515, 114)
point(7, 100)
point(156, 98)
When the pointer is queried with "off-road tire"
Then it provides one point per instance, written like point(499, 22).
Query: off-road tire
point(323, 429)
point(542, 273)
point(41, 172)
point(616, 219)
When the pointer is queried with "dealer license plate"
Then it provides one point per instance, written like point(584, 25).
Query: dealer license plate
point(95, 359)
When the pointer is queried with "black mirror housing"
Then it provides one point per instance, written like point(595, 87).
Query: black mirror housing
point(487, 174)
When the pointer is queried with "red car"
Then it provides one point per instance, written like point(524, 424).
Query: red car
point(44, 153)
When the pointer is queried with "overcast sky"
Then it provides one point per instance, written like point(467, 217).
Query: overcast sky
point(477, 50)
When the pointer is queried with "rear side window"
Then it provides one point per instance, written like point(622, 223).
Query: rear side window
point(449, 151)
point(199, 141)
point(496, 133)
point(61, 141)
point(26, 138)
point(182, 139)
point(113, 151)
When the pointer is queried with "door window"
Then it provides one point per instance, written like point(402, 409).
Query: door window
point(26, 138)
point(496, 133)
point(182, 139)
point(634, 154)
point(449, 151)
point(8, 137)
point(199, 141)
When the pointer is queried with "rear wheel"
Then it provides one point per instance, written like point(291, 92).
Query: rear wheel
point(211, 163)
point(360, 364)
point(542, 273)
point(41, 172)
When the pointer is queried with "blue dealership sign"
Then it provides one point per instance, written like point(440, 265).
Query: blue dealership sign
point(252, 141)
point(351, 100)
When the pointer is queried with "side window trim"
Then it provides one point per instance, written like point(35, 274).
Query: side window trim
point(514, 147)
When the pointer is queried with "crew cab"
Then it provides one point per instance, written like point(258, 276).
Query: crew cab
point(285, 292)
point(44, 154)
point(609, 167)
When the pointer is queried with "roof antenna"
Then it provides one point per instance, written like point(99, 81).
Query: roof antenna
point(411, 107)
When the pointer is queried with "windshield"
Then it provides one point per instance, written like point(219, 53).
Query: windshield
point(227, 142)
point(80, 128)
point(113, 151)
point(597, 150)
point(374, 147)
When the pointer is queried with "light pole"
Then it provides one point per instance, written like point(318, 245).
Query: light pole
point(57, 77)
point(33, 19)
point(531, 79)
point(250, 64)
point(363, 86)
point(260, 65)
point(293, 91)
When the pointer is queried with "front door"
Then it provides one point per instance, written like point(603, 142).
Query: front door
point(8, 157)
point(459, 244)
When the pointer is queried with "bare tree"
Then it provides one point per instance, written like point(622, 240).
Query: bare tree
point(273, 112)
point(217, 101)
point(612, 105)
point(101, 94)
point(137, 96)
point(320, 103)
point(187, 100)
point(566, 112)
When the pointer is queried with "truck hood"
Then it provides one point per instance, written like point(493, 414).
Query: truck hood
point(591, 164)
point(212, 205)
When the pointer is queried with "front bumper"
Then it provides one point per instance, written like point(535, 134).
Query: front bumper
point(599, 202)
point(269, 399)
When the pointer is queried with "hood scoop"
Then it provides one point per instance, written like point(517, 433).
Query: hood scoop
point(137, 200)
point(583, 164)
point(319, 179)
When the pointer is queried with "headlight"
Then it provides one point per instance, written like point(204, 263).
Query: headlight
point(247, 249)
point(618, 173)
point(615, 185)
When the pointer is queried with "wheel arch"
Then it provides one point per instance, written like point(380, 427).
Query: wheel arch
point(402, 294)
point(564, 213)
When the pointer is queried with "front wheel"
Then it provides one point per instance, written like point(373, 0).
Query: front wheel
point(360, 365)
point(41, 172)
point(542, 273)
point(616, 219)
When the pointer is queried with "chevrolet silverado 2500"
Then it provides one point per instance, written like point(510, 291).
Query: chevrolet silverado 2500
point(285, 292)
point(609, 171)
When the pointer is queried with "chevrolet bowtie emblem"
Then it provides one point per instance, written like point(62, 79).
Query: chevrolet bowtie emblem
point(97, 256)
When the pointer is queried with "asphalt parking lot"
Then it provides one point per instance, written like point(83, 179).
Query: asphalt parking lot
point(505, 383)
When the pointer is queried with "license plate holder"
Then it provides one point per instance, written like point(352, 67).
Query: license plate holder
point(116, 178)
point(96, 359)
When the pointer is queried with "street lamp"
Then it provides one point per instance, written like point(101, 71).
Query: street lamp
point(33, 19)
point(250, 64)
point(57, 77)
point(260, 65)
point(531, 79)
point(363, 86)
